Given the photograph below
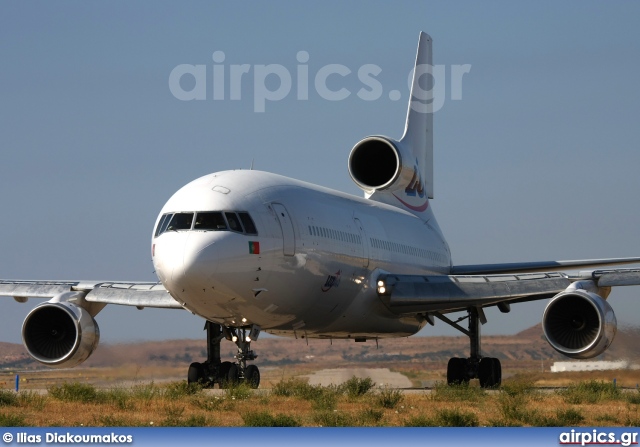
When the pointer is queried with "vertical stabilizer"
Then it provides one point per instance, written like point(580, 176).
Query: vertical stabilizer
point(400, 173)
point(418, 131)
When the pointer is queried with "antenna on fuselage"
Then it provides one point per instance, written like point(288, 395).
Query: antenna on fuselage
point(251, 168)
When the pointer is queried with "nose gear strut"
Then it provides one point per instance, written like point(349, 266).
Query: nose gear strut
point(226, 374)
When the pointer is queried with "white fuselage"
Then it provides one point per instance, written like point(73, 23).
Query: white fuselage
point(311, 268)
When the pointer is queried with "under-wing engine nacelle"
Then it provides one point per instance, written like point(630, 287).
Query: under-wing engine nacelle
point(379, 163)
point(60, 334)
point(579, 324)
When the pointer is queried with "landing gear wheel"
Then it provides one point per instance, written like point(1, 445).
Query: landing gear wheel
point(223, 374)
point(231, 378)
point(252, 376)
point(196, 373)
point(489, 372)
point(457, 371)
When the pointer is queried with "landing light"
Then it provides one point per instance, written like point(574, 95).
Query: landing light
point(247, 339)
point(234, 339)
point(380, 283)
point(244, 320)
point(381, 290)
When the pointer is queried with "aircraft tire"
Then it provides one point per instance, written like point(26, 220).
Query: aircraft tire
point(195, 373)
point(489, 372)
point(232, 375)
point(223, 373)
point(457, 371)
point(252, 376)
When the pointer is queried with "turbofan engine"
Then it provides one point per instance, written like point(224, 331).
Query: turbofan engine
point(579, 324)
point(60, 334)
point(379, 163)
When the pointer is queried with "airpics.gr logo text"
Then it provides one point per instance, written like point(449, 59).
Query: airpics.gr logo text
point(275, 82)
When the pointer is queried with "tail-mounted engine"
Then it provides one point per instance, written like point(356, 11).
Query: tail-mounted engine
point(60, 334)
point(579, 324)
point(380, 163)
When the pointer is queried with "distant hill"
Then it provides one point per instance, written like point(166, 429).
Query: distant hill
point(527, 346)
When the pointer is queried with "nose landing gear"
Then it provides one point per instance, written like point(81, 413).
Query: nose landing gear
point(226, 374)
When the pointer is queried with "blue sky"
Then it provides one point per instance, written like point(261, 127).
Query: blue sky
point(537, 161)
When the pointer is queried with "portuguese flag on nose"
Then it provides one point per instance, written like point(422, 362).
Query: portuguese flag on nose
point(254, 247)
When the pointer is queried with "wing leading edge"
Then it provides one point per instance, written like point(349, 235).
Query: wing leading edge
point(544, 266)
point(139, 294)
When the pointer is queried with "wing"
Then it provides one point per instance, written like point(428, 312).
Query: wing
point(544, 266)
point(410, 294)
point(139, 294)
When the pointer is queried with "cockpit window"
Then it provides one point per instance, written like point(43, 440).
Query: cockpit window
point(180, 221)
point(210, 221)
point(162, 225)
point(234, 222)
point(247, 222)
point(240, 222)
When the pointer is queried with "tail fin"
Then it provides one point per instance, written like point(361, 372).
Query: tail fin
point(400, 173)
point(418, 130)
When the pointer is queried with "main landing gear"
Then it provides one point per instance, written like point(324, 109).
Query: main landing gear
point(227, 374)
point(460, 370)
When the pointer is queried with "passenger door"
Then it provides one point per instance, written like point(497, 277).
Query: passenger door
point(288, 236)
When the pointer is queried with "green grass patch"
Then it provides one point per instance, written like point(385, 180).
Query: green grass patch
point(369, 417)
point(514, 410)
point(119, 397)
point(455, 418)
point(238, 391)
point(569, 417)
point(266, 419)
point(457, 393)
point(419, 421)
point(75, 392)
point(633, 398)
point(8, 398)
point(389, 397)
point(32, 400)
point(591, 392)
point(208, 403)
point(178, 390)
point(321, 398)
point(146, 392)
point(333, 419)
point(519, 386)
point(109, 420)
point(13, 420)
point(632, 418)
point(296, 387)
point(356, 387)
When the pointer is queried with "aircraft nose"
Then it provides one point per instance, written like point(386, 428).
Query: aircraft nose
point(168, 253)
point(200, 259)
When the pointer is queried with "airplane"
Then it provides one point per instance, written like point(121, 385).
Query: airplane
point(251, 251)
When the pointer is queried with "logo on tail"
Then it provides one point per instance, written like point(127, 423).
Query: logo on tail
point(415, 192)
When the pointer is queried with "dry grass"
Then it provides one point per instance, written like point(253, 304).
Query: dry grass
point(519, 403)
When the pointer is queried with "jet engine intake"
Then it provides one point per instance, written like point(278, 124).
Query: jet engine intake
point(60, 334)
point(579, 324)
point(379, 163)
